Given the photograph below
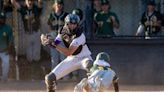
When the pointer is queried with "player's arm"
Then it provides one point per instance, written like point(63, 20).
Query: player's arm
point(115, 21)
point(40, 3)
point(15, 3)
point(73, 46)
point(46, 40)
point(116, 86)
point(66, 51)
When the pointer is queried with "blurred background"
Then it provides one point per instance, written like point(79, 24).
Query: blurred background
point(137, 60)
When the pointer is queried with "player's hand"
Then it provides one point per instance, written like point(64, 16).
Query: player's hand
point(46, 39)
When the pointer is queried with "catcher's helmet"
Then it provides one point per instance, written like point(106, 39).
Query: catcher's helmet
point(78, 12)
point(72, 18)
point(103, 56)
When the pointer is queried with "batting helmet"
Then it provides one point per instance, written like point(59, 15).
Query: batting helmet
point(103, 56)
point(72, 18)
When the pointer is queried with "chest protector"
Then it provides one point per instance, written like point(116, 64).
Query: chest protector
point(68, 37)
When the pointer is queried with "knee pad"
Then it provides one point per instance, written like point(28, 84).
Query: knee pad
point(89, 64)
point(50, 79)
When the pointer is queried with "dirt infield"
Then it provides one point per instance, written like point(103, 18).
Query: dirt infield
point(67, 86)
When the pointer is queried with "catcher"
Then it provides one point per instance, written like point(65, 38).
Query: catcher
point(100, 78)
point(76, 50)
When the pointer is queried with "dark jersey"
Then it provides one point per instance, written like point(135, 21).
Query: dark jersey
point(150, 21)
point(30, 17)
point(56, 21)
point(105, 23)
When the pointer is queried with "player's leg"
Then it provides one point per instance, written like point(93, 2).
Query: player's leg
point(54, 58)
point(50, 80)
point(36, 46)
point(61, 58)
point(36, 49)
point(5, 65)
point(86, 63)
point(65, 67)
point(81, 86)
point(116, 84)
point(29, 47)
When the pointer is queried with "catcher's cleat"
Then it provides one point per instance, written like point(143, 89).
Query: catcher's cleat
point(50, 80)
point(51, 91)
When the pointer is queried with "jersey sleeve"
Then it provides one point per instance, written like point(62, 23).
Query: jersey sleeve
point(78, 41)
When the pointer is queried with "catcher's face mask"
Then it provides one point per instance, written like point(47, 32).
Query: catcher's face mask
point(72, 26)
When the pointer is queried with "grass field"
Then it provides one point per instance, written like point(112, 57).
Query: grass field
point(67, 86)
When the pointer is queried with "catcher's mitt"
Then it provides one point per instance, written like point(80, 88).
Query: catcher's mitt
point(46, 39)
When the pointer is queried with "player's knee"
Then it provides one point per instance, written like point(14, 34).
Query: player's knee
point(50, 79)
point(89, 64)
